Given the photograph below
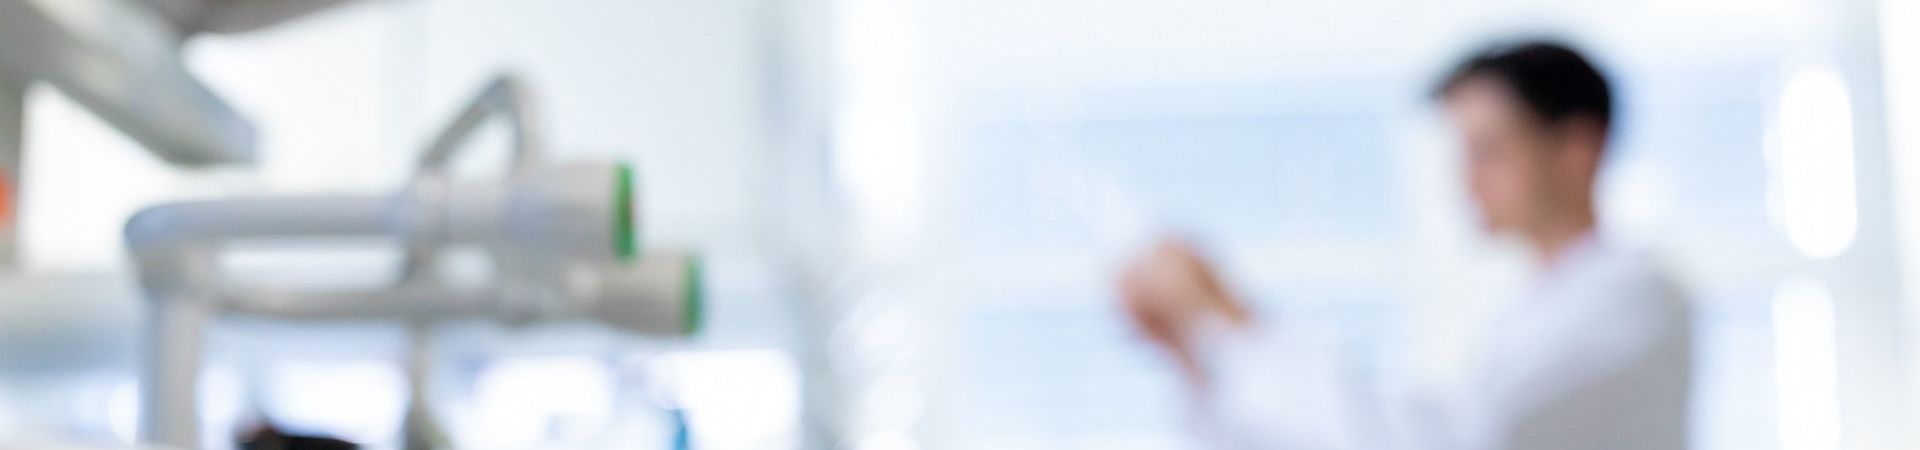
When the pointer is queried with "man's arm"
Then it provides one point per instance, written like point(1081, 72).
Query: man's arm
point(1170, 293)
point(1256, 386)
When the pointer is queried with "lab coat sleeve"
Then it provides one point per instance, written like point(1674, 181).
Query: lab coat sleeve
point(1296, 390)
point(1600, 362)
point(1288, 388)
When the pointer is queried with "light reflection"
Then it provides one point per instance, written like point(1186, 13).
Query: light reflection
point(734, 398)
point(879, 137)
point(1804, 366)
point(528, 400)
point(893, 403)
point(889, 440)
point(123, 411)
point(361, 401)
point(1814, 172)
point(223, 403)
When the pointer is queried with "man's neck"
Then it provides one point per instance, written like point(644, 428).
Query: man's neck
point(1553, 243)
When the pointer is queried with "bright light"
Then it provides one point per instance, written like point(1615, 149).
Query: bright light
point(10, 417)
point(891, 440)
point(1804, 366)
point(361, 401)
point(123, 411)
point(81, 182)
point(525, 401)
point(222, 402)
point(879, 139)
point(736, 398)
point(1814, 171)
point(1900, 63)
point(894, 402)
point(1720, 6)
point(1636, 199)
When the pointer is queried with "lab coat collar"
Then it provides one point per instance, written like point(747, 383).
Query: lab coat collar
point(1584, 251)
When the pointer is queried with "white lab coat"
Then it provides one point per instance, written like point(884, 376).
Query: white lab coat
point(1597, 355)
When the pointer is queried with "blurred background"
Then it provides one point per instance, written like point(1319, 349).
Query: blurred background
point(912, 210)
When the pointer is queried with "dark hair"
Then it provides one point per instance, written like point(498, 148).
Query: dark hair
point(1551, 79)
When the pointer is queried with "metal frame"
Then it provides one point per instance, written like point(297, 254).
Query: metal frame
point(13, 99)
point(126, 68)
point(176, 246)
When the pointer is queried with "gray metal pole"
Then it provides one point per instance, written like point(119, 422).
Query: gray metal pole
point(175, 351)
point(13, 99)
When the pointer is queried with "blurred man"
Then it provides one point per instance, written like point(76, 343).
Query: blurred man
point(1596, 355)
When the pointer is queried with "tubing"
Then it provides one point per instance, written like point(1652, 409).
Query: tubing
point(406, 303)
point(182, 223)
point(506, 95)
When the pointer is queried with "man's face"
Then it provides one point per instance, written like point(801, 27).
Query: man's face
point(1508, 159)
